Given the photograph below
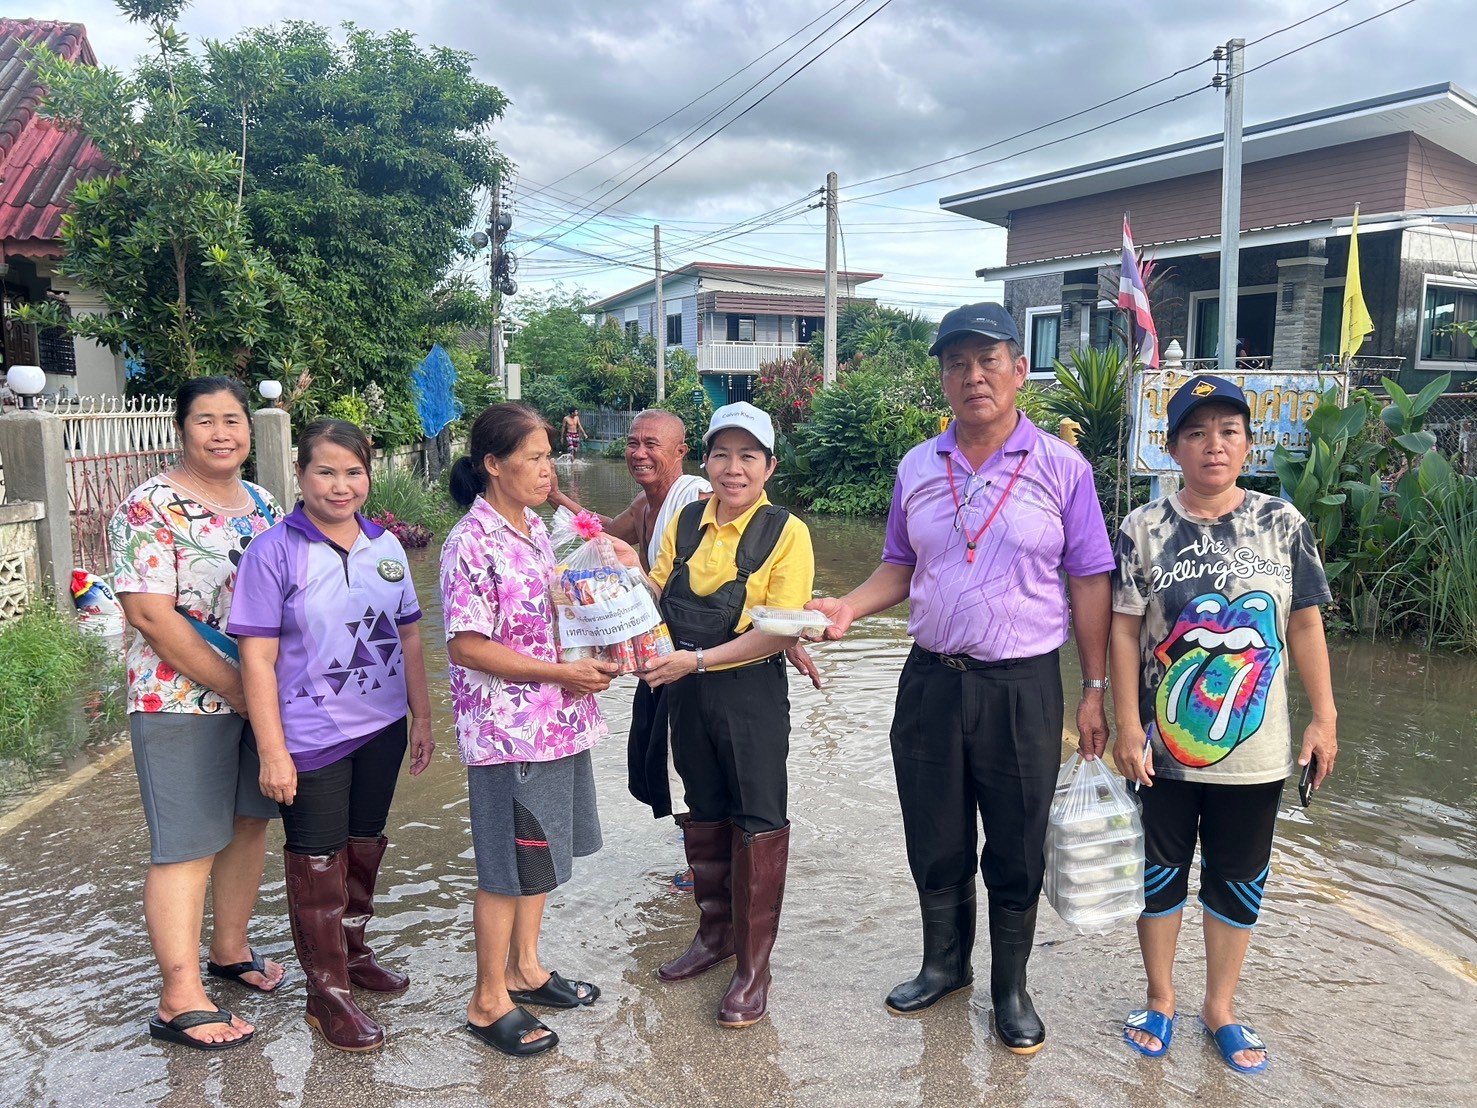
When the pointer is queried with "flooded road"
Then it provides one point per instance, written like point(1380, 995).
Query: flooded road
point(1362, 976)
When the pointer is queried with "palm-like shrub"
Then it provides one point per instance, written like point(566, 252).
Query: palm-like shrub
point(1091, 391)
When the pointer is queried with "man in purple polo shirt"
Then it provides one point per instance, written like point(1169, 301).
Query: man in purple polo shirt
point(996, 540)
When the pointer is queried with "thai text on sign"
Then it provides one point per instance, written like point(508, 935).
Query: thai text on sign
point(1280, 406)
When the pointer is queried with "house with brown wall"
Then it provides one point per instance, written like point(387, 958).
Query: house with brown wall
point(1408, 161)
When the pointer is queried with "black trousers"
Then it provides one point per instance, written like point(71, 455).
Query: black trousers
point(972, 747)
point(350, 797)
point(646, 750)
point(731, 737)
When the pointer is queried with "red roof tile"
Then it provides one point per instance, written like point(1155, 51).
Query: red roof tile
point(40, 162)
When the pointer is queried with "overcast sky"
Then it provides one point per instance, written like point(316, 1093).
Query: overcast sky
point(921, 81)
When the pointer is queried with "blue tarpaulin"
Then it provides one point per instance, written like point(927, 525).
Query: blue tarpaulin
point(435, 392)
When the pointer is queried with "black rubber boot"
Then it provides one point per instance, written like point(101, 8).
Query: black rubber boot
point(1012, 935)
point(948, 942)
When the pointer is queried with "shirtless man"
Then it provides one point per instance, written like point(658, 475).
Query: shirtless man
point(574, 431)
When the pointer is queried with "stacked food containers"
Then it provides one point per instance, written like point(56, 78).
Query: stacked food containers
point(1094, 848)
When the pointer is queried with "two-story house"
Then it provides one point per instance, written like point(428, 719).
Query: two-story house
point(731, 318)
point(1408, 160)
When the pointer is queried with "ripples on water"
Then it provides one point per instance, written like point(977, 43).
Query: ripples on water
point(1356, 976)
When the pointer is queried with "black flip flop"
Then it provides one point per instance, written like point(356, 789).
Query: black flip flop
point(556, 993)
point(506, 1034)
point(236, 971)
point(173, 1031)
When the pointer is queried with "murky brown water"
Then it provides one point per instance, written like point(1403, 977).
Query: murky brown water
point(1361, 977)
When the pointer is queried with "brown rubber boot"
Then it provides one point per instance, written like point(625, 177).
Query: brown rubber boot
point(363, 867)
point(315, 906)
point(709, 853)
point(759, 864)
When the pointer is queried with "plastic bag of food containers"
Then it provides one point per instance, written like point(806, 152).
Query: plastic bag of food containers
point(602, 609)
point(1094, 848)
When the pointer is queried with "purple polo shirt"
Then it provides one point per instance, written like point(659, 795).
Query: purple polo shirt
point(336, 615)
point(1011, 601)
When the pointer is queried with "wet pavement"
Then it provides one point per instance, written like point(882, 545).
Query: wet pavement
point(1362, 976)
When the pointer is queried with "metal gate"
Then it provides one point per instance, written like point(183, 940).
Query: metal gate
point(113, 445)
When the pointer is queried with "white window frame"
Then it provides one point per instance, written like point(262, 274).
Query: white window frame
point(1030, 335)
point(1435, 364)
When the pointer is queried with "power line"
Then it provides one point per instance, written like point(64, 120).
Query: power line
point(728, 123)
point(696, 99)
point(1325, 38)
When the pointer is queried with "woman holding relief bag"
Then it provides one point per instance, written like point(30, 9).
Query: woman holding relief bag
point(525, 723)
point(730, 706)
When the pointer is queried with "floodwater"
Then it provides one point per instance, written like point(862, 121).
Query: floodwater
point(1362, 976)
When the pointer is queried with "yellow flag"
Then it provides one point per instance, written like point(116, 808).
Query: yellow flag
point(1356, 324)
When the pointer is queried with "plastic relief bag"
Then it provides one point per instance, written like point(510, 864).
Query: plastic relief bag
point(1094, 848)
point(602, 609)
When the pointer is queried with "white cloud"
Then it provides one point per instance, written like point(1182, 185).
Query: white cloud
point(923, 80)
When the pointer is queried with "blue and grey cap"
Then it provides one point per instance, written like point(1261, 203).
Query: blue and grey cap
point(987, 319)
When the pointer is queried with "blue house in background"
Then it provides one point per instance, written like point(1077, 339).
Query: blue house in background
point(731, 318)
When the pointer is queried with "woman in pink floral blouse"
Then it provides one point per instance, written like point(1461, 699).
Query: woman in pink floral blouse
point(525, 723)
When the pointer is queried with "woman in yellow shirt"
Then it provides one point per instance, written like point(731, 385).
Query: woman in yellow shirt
point(730, 704)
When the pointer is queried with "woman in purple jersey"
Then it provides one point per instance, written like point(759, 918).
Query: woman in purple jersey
point(331, 653)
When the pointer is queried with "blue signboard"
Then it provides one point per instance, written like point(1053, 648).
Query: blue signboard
point(1280, 406)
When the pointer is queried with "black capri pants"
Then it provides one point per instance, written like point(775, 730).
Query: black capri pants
point(730, 741)
point(1234, 824)
point(978, 746)
point(347, 798)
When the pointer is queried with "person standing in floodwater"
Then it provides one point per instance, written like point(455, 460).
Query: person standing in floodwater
point(987, 520)
point(573, 432)
point(1214, 586)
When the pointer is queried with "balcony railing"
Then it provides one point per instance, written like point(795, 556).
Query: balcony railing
point(740, 357)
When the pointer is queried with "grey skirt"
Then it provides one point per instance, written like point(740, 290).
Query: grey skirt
point(530, 820)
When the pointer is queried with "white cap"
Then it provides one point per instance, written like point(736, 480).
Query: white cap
point(745, 417)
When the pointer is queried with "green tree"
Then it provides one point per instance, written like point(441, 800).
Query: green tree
point(185, 287)
point(555, 337)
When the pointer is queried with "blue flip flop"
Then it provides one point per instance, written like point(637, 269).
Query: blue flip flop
point(1153, 1023)
point(1236, 1037)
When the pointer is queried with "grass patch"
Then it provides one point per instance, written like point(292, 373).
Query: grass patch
point(44, 659)
point(413, 504)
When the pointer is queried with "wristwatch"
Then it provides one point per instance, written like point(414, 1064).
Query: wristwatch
point(1095, 683)
point(701, 668)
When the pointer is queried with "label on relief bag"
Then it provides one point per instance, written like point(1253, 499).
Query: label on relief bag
point(606, 622)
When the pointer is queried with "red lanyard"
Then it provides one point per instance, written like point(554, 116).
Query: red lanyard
point(954, 492)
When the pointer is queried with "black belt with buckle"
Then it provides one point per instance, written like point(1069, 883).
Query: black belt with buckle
point(963, 662)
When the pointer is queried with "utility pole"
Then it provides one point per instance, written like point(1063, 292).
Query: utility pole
point(828, 369)
point(1233, 55)
point(501, 283)
point(659, 320)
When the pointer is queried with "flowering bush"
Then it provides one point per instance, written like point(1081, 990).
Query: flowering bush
point(409, 534)
point(786, 389)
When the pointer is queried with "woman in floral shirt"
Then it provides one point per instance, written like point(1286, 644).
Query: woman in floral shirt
point(176, 541)
point(525, 723)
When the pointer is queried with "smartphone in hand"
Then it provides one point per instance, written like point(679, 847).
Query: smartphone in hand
point(1305, 782)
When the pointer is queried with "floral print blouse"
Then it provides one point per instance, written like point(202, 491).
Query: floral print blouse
point(163, 541)
point(494, 581)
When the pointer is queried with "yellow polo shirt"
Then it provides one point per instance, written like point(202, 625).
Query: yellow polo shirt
point(786, 580)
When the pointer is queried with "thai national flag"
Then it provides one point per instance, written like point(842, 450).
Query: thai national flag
point(1134, 299)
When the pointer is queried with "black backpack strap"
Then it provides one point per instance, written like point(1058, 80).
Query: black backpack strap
point(689, 532)
point(760, 538)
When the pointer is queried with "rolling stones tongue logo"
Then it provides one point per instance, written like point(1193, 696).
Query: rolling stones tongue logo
point(1219, 663)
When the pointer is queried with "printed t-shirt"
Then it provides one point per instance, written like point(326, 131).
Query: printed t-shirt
point(336, 615)
point(786, 580)
point(495, 582)
point(1011, 601)
point(1215, 597)
point(163, 541)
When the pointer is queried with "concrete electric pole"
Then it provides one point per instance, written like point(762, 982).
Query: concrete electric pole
point(828, 369)
point(659, 318)
point(1233, 55)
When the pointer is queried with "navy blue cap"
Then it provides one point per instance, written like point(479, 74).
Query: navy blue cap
point(1206, 388)
point(987, 319)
